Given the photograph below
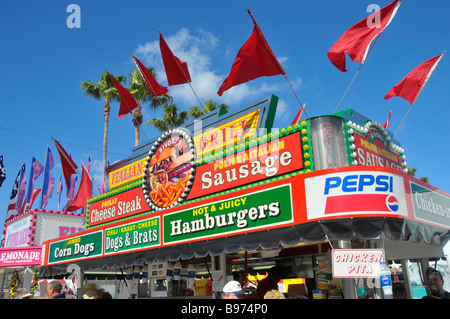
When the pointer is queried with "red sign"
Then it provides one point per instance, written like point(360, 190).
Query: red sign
point(118, 206)
point(264, 161)
point(17, 257)
point(373, 150)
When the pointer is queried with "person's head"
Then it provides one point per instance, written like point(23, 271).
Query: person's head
point(54, 288)
point(232, 290)
point(435, 281)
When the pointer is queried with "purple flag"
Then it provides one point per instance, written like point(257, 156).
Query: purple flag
point(59, 190)
point(48, 182)
point(36, 171)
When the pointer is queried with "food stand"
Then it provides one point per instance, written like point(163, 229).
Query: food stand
point(228, 192)
point(21, 254)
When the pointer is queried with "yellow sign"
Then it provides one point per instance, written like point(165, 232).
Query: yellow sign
point(227, 134)
point(126, 174)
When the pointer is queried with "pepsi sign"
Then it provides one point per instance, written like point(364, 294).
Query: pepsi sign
point(367, 193)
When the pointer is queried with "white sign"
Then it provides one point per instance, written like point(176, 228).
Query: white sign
point(18, 233)
point(366, 193)
point(157, 271)
point(357, 263)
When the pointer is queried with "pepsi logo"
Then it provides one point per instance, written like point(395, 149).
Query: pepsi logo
point(392, 203)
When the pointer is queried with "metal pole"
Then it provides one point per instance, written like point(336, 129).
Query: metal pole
point(349, 287)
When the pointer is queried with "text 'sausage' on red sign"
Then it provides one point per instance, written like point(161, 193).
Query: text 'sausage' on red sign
point(266, 160)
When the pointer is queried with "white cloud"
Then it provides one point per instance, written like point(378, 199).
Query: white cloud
point(198, 50)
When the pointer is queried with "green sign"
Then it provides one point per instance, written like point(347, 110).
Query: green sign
point(132, 236)
point(430, 205)
point(80, 247)
point(267, 208)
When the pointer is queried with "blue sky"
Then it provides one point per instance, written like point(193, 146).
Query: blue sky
point(43, 62)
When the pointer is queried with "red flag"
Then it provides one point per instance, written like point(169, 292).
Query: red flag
point(356, 40)
point(153, 86)
point(127, 102)
point(84, 192)
point(68, 166)
point(27, 206)
point(299, 113)
point(410, 87)
point(176, 70)
point(386, 124)
point(254, 59)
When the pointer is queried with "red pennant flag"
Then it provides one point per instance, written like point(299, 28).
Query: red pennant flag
point(386, 124)
point(127, 102)
point(410, 87)
point(299, 113)
point(176, 70)
point(356, 40)
point(68, 166)
point(153, 86)
point(84, 192)
point(254, 59)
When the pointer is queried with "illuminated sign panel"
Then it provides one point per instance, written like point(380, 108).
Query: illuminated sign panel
point(122, 205)
point(126, 174)
point(227, 134)
point(373, 150)
point(368, 193)
point(263, 209)
point(266, 160)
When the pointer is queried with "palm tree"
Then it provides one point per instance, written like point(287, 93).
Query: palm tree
point(171, 118)
point(412, 172)
point(104, 88)
point(141, 94)
point(209, 106)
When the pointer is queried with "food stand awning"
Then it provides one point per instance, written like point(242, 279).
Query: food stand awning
point(225, 187)
point(292, 225)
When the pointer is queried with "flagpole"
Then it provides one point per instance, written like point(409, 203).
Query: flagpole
point(357, 72)
point(403, 119)
point(301, 105)
point(43, 179)
point(201, 104)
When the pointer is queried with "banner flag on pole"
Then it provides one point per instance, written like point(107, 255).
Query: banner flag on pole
point(84, 192)
point(2, 171)
point(299, 113)
point(12, 207)
point(59, 190)
point(33, 198)
point(68, 165)
point(356, 40)
point(412, 84)
point(48, 180)
point(153, 86)
point(254, 59)
point(177, 71)
point(36, 171)
point(386, 124)
point(127, 102)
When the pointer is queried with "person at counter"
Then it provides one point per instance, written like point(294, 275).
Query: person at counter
point(232, 290)
point(435, 283)
point(54, 290)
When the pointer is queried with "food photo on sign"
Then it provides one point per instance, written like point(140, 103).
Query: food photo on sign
point(169, 170)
